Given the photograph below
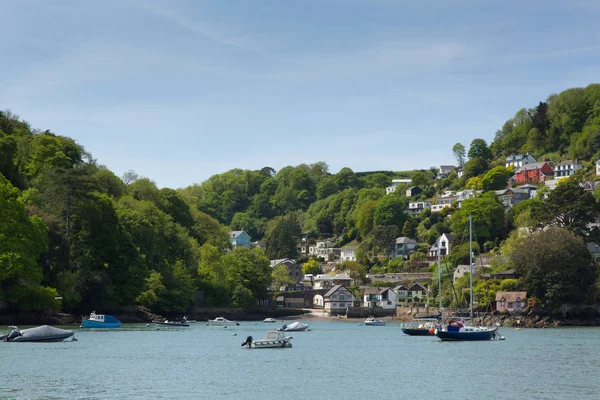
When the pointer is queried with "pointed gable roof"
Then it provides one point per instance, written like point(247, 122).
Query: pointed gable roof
point(417, 286)
point(332, 291)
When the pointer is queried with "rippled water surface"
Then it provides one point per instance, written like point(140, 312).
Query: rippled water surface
point(335, 360)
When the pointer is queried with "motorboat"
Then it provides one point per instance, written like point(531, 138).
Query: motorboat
point(419, 328)
point(293, 327)
point(100, 321)
point(273, 340)
point(222, 321)
point(182, 323)
point(371, 321)
point(269, 320)
point(44, 333)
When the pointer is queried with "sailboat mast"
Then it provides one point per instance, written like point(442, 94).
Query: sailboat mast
point(471, 262)
point(439, 274)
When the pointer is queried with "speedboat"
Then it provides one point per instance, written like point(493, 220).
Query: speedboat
point(269, 320)
point(182, 323)
point(371, 321)
point(419, 328)
point(293, 327)
point(42, 333)
point(222, 321)
point(457, 330)
point(101, 321)
point(273, 340)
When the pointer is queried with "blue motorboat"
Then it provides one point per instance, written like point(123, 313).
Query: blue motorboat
point(101, 321)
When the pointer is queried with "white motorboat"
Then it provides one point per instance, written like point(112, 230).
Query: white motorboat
point(293, 327)
point(269, 320)
point(182, 323)
point(222, 321)
point(371, 321)
point(273, 340)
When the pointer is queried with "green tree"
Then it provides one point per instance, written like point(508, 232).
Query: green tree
point(459, 152)
point(281, 276)
point(356, 270)
point(474, 167)
point(420, 179)
point(474, 183)
point(311, 267)
point(480, 149)
point(364, 217)
point(495, 179)
point(390, 211)
point(281, 241)
point(488, 218)
point(555, 266)
point(248, 268)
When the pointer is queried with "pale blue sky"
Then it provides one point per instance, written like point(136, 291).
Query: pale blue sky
point(181, 90)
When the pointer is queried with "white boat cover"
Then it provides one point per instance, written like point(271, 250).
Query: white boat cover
point(294, 326)
point(43, 333)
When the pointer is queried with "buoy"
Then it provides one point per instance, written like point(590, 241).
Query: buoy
point(431, 331)
point(147, 324)
point(517, 329)
point(234, 334)
point(225, 326)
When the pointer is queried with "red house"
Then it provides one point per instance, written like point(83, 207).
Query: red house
point(534, 172)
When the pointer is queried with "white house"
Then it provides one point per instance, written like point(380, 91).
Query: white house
point(444, 171)
point(348, 252)
point(443, 202)
point(323, 249)
point(566, 168)
point(337, 300)
point(445, 241)
point(415, 208)
point(395, 183)
point(376, 297)
point(518, 160)
point(322, 281)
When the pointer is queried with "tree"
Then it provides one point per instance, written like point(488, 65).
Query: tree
point(364, 217)
point(356, 270)
point(570, 207)
point(474, 183)
point(495, 179)
point(480, 149)
point(281, 276)
point(390, 211)
point(459, 153)
point(129, 177)
point(474, 167)
point(555, 266)
point(420, 179)
point(488, 218)
point(280, 242)
point(312, 267)
point(249, 269)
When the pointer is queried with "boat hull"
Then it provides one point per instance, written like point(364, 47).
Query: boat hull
point(374, 323)
point(95, 324)
point(171, 324)
point(466, 336)
point(277, 344)
point(417, 331)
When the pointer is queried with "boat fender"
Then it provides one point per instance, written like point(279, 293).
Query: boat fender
point(431, 331)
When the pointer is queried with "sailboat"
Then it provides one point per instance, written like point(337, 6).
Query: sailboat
point(456, 329)
point(426, 326)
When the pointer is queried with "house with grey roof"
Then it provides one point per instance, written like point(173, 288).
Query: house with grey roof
point(444, 171)
point(566, 168)
point(240, 239)
point(404, 247)
point(336, 301)
point(379, 297)
point(518, 160)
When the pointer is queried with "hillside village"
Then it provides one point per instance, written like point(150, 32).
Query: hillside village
point(303, 237)
point(410, 290)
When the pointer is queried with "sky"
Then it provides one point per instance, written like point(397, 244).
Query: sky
point(180, 90)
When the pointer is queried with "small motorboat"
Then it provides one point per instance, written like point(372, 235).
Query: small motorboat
point(44, 333)
point(371, 321)
point(181, 323)
point(222, 321)
point(293, 327)
point(273, 340)
point(269, 320)
point(419, 328)
point(100, 321)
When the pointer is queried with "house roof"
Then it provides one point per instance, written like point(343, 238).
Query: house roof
point(399, 287)
point(332, 291)
point(449, 236)
point(517, 157)
point(535, 165)
point(286, 261)
point(235, 234)
point(416, 286)
point(568, 162)
point(372, 290)
point(510, 296)
point(405, 240)
point(323, 277)
point(593, 248)
point(342, 277)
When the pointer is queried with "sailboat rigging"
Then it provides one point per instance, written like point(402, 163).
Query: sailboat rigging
point(457, 329)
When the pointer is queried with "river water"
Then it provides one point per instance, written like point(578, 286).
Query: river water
point(335, 360)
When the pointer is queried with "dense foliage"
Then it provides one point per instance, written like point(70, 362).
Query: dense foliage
point(75, 236)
